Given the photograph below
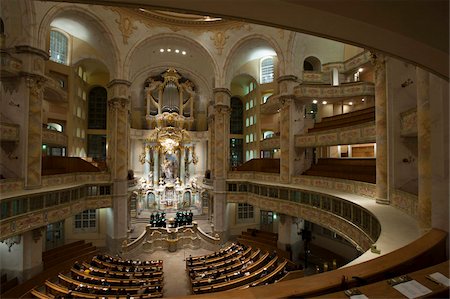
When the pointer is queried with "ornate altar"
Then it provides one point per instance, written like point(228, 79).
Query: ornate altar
point(169, 154)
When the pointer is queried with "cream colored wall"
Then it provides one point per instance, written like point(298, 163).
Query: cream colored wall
point(97, 238)
point(351, 51)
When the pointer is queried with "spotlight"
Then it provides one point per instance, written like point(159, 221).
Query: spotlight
point(169, 50)
point(350, 103)
point(324, 102)
point(161, 50)
point(314, 101)
point(177, 51)
point(184, 52)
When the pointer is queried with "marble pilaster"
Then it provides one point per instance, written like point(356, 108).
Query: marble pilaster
point(221, 148)
point(424, 148)
point(289, 115)
point(156, 165)
point(33, 78)
point(34, 132)
point(182, 164)
point(118, 135)
point(381, 129)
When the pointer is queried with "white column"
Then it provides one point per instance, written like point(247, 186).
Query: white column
point(424, 148)
point(156, 165)
point(182, 164)
point(381, 129)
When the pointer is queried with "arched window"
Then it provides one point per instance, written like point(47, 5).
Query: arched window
point(59, 45)
point(312, 63)
point(97, 108)
point(267, 70)
point(236, 118)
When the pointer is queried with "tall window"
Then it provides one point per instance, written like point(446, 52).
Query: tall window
point(236, 120)
point(236, 152)
point(97, 146)
point(245, 211)
point(97, 108)
point(59, 44)
point(86, 220)
point(267, 70)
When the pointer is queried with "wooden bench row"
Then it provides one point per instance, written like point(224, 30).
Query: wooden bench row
point(221, 263)
point(56, 289)
point(72, 283)
point(215, 260)
point(125, 274)
point(122, 268)
point(239, 279)
point(231, 267)
point(116, 281)
point(256, 264)
point(430, 249)
point(214, 254)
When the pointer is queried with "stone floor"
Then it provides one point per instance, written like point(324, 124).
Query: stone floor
point(176, 280)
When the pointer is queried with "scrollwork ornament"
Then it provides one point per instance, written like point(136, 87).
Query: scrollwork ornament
point(36, 87)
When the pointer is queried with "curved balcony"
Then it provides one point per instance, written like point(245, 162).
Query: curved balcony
point(363, 133)
point(344, 91)
point(62, 196)
point(53, 91)
point(313, 77)
point(9, 132)
point(271, 106)
point(52, 137)
point(270, 143)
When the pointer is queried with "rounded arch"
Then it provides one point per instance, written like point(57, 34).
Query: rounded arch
point(230, 72)
point(312, 63)
point(164, 39)
point(110, 59)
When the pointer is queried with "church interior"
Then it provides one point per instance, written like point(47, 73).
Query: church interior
point(170, 149)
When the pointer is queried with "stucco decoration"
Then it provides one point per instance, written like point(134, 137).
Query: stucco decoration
point(220, 38)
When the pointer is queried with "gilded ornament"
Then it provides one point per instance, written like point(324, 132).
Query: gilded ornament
point(220, 39)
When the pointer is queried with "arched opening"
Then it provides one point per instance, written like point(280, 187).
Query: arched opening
point(312, 64)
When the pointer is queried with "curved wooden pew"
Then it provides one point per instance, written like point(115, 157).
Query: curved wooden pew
point(233, 267)
point(107, 290)
point(115, 281)
point(235, 279)
point(56, 289)
point(123, 274)
point(221, 263)
point(212, 255)
point(430, 249)
point(130, 268)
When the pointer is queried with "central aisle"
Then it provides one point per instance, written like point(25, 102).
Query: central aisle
point(176, 281)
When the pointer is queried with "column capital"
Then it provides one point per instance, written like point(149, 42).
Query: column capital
point(378, 60)
point(286, 78)
point(118, 81)
point(222, 90)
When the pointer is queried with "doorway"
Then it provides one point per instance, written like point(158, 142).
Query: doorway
point(55, 235)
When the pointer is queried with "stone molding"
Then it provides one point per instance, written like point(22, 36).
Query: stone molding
point(9, 132)
point(10, 187)
point(270, 143)
point(346, 90)
point(54, 137)
point(364, 133)
point(23, 223)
